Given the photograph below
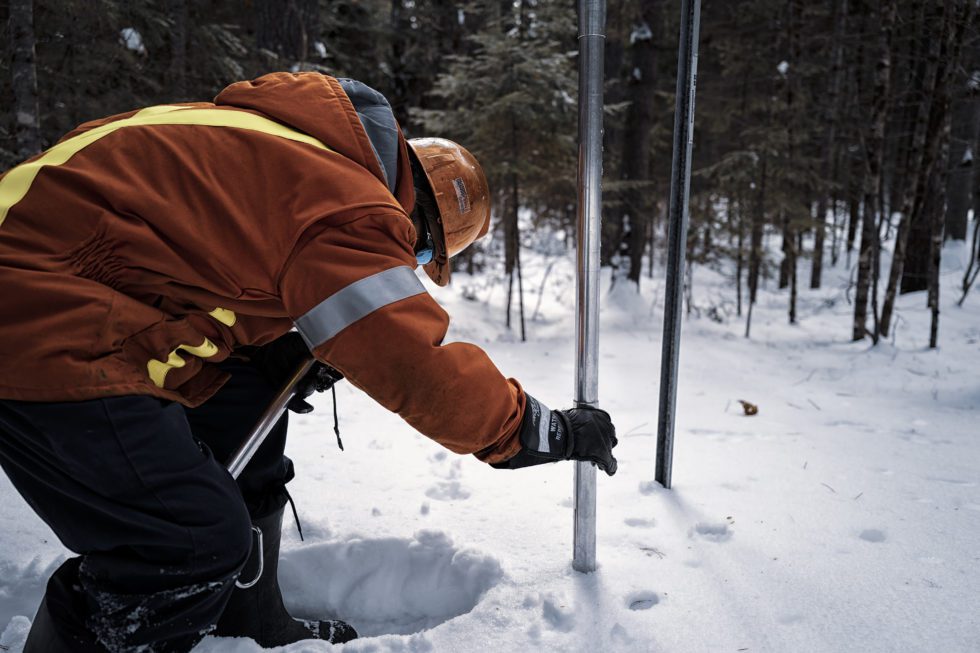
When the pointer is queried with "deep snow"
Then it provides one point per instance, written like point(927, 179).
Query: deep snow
point(844, 516)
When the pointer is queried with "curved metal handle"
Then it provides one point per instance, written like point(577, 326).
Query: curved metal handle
point(258, 575)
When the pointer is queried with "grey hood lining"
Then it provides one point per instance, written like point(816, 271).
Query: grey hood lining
point(379, 123)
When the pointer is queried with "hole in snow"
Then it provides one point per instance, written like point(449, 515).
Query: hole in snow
point(643, 601)
point(386, 586)
point(558, 616)
point(713, 532)
point(873, 535)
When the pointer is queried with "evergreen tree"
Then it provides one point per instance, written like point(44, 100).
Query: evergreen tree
point(512, 103)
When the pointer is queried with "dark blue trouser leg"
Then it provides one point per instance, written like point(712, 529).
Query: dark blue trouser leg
point(160, 524)
point(226, 419)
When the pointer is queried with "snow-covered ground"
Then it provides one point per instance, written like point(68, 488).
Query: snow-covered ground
point(844, 516)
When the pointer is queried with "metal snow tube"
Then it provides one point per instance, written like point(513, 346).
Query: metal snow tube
point(591, 37)
point(268, 420)
point(680, 188)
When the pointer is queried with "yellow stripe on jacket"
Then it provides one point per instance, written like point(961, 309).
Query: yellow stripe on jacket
point(17, 183)
point(158, 369)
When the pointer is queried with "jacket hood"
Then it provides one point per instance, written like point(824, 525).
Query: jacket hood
point(359, 126)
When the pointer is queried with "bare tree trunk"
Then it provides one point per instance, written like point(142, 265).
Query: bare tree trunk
point(917, 165)
point(962, 15)
point(942, 55)
point(510, 294)
point(792, 284)
point(617, 35)
point(865, 256)
point(819, 238)
point(830, 133)
point(283, 27)
point(965, 127)
point(653, 239)
point(520, 294)
point(511, 239)
point(887, 10)
point(736, 215)
point(641, 91)
point(956, 17)
point(24, 78)
point(755, 244)
point(973, 268)
point(707, 241)
point(795, 226)
point(689, 276)
point(787, 248)
point(908, 120)
point(853, 208)
point(936, 237)
point(835, 208)
point(835, 232)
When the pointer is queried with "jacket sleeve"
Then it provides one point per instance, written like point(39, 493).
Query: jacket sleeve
point(354, 296)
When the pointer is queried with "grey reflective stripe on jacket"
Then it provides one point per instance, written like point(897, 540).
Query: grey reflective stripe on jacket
point(379, 123)
point(356, 301)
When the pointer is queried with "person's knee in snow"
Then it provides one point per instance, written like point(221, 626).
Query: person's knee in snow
point(222, 546)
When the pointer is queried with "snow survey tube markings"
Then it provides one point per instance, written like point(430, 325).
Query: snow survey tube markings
point(387, 585)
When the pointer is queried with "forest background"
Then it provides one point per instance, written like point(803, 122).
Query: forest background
point(825, 131)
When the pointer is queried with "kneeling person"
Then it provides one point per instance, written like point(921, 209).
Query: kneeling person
point(153, 266)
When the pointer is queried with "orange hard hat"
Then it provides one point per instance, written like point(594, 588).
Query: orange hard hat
point(462, 196)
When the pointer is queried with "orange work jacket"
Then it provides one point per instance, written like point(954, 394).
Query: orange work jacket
point(144, 247)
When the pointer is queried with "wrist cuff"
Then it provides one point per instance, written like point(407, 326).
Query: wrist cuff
point(544, 437)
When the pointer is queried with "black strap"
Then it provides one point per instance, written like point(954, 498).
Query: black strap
point(292, 504)
point(336, 419)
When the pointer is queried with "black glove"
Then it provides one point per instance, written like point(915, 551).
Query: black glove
point(320, 378)
point(278, 362)
point(585, 434)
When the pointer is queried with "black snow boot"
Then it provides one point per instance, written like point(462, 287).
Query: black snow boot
point(62, 605)
point(258, 612)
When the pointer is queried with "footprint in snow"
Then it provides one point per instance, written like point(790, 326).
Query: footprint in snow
point(453, 470)
point(448, 491)
point(638, 522)
point(642, 601)
point(558, 616)
point(712, 531)
point(873, 535)
point(619, 634)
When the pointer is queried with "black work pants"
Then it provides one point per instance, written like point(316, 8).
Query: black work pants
point(137, 487)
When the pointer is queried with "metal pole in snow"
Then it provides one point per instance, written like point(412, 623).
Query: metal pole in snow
point(680, 187)
point(591, 38)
